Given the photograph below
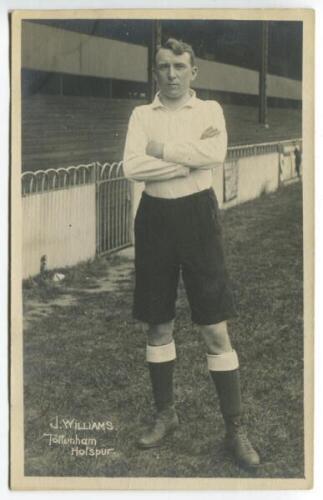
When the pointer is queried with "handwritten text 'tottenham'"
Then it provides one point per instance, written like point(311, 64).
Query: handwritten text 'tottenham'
point(64, 440)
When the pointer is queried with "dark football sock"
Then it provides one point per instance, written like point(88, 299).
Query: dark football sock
point(161, 376)
point(224, 370)
point(161, 361)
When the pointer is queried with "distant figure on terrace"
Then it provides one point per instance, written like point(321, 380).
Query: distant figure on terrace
point(298, 161)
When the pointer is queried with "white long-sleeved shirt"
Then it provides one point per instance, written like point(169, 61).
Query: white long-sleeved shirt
point(188, 160)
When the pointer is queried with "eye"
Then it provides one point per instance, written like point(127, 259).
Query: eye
point(162, 66)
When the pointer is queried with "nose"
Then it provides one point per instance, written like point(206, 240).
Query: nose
point(171, 73)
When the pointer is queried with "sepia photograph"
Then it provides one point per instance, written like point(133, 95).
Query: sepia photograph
point(161, 249)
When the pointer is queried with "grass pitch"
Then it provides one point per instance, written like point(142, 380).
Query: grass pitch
point(84, 359)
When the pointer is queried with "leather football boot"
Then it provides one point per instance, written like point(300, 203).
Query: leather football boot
point(241, 448)
point(166, 421)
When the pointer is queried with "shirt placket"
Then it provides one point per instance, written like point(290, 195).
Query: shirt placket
point(172, 125)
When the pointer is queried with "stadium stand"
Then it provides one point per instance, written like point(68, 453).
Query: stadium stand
point(58, 131)
point(61, 131)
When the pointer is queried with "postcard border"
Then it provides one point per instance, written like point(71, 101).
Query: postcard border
point(18, 481)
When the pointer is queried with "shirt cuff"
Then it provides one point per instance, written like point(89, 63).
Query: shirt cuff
point(184, 171)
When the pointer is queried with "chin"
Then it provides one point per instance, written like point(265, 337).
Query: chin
point(174, 95)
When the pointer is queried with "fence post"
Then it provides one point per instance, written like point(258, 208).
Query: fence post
point(97, 170)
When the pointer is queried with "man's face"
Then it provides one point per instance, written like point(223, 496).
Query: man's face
point(174, 73)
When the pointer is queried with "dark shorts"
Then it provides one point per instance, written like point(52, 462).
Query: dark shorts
point(180, 235)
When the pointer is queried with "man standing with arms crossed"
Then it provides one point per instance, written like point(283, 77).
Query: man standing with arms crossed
point(172, 145)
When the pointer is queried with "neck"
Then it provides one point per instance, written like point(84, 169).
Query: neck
point(175, 103)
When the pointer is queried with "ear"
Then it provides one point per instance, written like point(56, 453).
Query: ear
point(194, 72)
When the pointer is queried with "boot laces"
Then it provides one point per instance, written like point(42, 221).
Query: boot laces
point(244, 440)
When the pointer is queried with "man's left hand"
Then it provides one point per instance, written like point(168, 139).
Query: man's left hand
point(155, 149)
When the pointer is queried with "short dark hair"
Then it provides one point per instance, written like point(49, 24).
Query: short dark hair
point(178, 47)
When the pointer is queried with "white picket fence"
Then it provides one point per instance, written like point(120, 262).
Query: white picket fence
point(70, 215)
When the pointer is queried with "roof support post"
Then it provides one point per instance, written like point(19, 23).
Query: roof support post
point(155, 40)
point(263, 74)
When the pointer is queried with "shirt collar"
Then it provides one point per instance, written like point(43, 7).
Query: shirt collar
point(190, 103)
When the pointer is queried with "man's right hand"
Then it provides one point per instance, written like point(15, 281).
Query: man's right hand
point(210, 132)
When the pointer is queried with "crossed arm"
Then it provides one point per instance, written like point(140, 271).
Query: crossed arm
point(154, 161)
point(156, 149)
